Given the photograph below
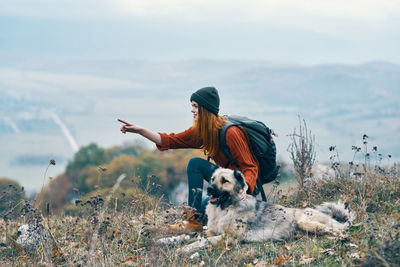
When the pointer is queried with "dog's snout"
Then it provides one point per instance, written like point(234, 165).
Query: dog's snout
point(211, 190)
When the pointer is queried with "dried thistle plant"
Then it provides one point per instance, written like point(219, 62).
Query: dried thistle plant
point(302, 152)
point(95, 235)
point(39, 198)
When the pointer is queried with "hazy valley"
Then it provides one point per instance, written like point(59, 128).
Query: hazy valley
point(49, 108)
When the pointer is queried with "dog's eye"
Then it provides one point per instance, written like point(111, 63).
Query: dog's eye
point(224, 180)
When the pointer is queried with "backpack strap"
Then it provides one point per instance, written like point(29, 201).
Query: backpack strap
point(222, 143)
point(225, 149)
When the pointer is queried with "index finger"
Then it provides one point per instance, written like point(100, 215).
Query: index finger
point(127, 123)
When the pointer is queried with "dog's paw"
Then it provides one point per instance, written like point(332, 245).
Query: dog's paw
point(200, 244)
point(172, 239)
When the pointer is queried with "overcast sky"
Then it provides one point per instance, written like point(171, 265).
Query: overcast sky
point(286, 31)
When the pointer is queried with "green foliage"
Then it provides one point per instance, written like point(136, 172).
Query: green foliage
point(96, 168)
point(117, 151)
point(107, 175)
point(150, 165)
point(90, 155)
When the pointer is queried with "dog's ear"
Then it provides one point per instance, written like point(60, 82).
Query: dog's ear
point(239, 177)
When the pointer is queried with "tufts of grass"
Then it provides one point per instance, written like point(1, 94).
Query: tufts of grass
point(119, 226)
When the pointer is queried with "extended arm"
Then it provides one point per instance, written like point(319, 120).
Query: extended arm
point(133, 128)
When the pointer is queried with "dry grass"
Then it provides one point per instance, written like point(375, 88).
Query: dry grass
point(126, 231)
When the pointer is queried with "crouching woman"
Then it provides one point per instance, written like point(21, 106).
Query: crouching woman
point(204, 134)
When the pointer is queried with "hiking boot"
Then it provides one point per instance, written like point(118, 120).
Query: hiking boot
point(193, 221)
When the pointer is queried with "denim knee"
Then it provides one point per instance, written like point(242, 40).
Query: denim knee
point(194, 163)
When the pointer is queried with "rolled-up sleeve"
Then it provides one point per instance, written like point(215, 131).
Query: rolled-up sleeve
point(177, 140)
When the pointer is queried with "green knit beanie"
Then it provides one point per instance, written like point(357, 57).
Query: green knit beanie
point(208, 98)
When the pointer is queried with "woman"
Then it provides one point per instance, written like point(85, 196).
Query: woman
point(204, 134)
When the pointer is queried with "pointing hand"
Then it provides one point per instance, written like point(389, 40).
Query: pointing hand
point(129, 127)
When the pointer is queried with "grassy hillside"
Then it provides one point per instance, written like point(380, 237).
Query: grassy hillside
point(111, 227)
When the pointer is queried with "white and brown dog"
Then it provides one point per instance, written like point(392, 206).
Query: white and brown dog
point(252, 220)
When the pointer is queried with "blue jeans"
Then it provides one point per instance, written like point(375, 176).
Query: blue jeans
point(198, 170)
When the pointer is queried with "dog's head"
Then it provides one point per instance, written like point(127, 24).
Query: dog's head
point(225, 186)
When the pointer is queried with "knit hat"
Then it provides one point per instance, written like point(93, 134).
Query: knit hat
point(208, 98)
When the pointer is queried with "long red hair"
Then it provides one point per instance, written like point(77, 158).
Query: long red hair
point(206, 130)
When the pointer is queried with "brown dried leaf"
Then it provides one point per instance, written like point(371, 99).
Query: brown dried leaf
point(131, 258)
point(281, 259)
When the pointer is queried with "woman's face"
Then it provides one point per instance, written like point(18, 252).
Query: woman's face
point(195, 110)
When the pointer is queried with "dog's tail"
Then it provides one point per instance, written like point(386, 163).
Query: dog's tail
point(339, 211)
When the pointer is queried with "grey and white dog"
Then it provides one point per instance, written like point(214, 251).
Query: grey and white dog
point(252, 220)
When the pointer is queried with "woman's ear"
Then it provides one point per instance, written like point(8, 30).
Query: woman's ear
point(239, 177)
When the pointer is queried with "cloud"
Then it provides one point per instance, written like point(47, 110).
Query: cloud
point(335, 18)
point(206, 11)
point(60, 9)
point(280, 30)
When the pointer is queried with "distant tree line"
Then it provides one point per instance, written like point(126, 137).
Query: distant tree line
point(94, 168)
